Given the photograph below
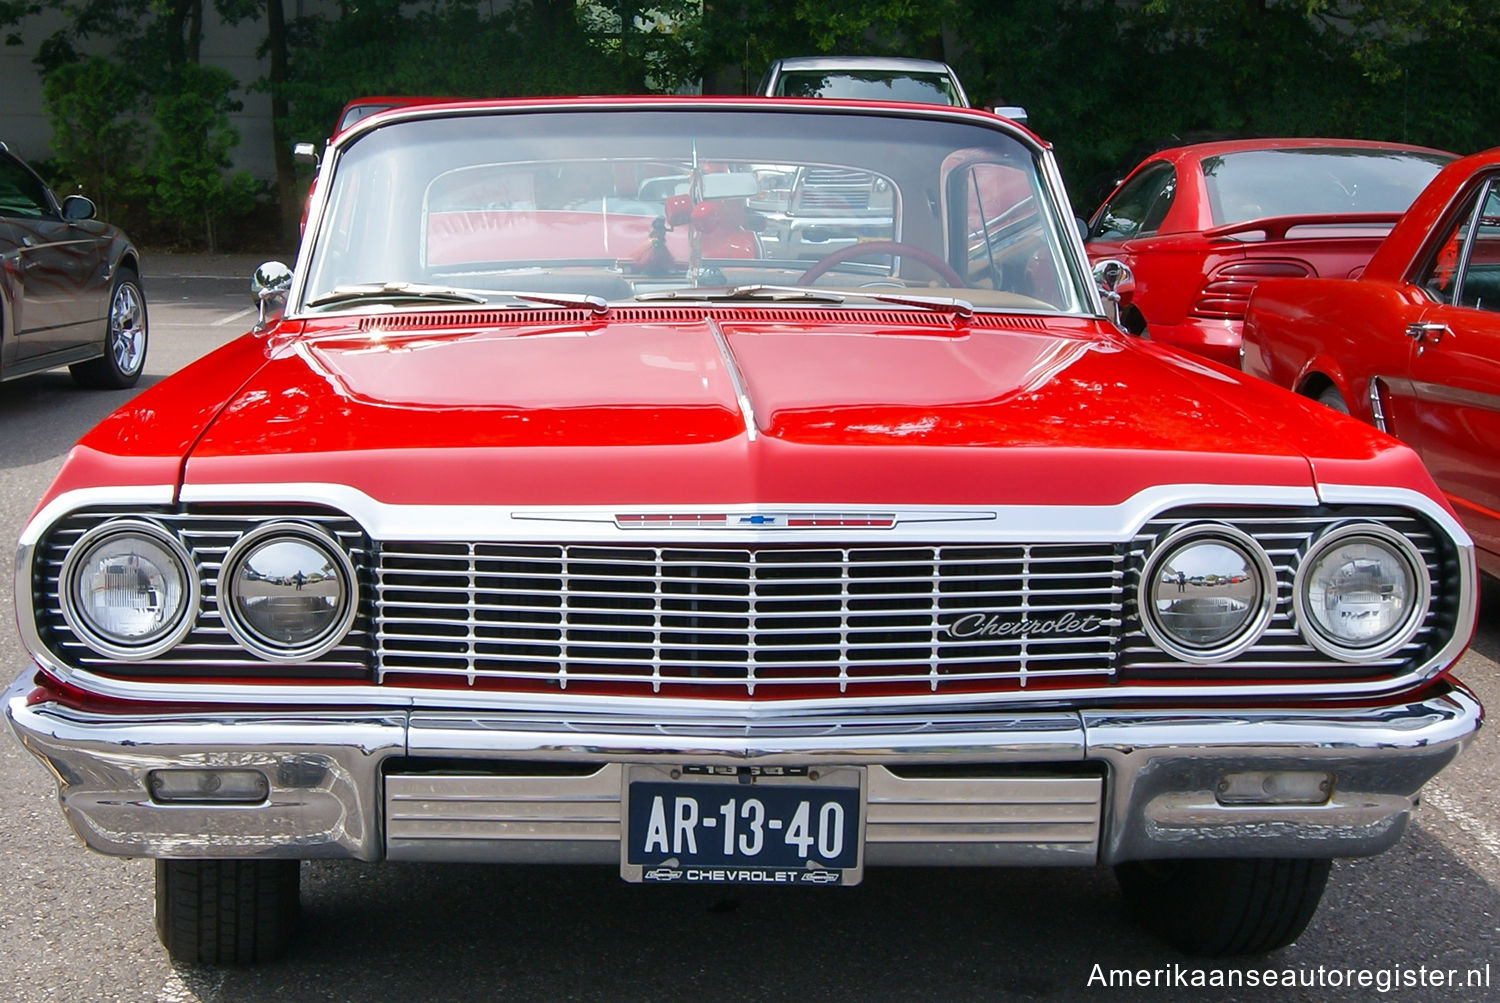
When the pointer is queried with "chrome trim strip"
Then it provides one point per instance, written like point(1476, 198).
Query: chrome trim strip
point(1377, 404)
point(1443, 393)
point(736, 380)
point(989, 523)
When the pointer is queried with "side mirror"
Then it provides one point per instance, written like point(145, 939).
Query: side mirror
point(76, 207)
point(270, 285)
point(305, 153)
point(1116, 284)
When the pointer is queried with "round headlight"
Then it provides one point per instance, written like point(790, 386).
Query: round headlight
point(1362, 592)
point(287, 592)
point(1208, 593)
point(128, 589)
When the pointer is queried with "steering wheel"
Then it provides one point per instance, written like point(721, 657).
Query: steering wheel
point(926, 257)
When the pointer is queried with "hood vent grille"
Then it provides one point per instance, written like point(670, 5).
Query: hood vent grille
point(756, 314)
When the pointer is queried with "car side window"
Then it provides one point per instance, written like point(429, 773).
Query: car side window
point(1465, 268)
point(1138, 208)
point(1479, 287)
point(21, 194)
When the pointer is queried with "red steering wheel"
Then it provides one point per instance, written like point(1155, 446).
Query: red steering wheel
point(926, 257)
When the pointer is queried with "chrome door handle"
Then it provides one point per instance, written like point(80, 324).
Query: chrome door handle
point(1427, 333)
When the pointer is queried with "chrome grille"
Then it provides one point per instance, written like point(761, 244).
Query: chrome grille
point(764, 620)
point(744, 620)
point(209, 648)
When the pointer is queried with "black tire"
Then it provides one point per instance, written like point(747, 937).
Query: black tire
point(125, 336)
point(1330, 398)
point(226, 912)
point(1219, 908)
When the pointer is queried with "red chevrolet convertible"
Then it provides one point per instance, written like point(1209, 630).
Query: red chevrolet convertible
point(563, 508)
point(1412, 346)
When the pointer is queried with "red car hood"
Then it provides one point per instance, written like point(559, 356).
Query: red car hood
point(808, 408)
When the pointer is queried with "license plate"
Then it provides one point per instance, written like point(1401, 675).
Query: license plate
point(702, 828)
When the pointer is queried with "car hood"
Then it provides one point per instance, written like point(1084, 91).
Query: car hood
point(787, 407)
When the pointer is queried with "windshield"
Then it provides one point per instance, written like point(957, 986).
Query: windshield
point(1260, 184)
point(622, 204)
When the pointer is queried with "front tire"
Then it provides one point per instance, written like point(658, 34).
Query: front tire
point(125, 336)
point(1332, 399)
point(1219, 908)
point(226, 912)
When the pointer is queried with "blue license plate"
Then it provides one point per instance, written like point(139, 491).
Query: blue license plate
point(734, 833)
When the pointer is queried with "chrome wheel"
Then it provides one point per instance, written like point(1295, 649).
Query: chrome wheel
point(127, 329)
point(123, 354)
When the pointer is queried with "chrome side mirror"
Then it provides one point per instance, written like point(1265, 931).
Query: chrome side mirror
point(270, 285)
point(1116, 284)
point(305, 153)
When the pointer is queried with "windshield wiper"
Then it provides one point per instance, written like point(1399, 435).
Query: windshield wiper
point(756, 293)
point(938, 304)
point(788, 294)
point(395, 292)
point(416, 292)
point(598, 304)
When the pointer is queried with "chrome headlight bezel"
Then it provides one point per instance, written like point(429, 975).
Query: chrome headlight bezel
point(1390, 641)
point(258, 642)
point(1259, 609)
point(176, 626)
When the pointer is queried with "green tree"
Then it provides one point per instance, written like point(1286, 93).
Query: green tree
point(191, 157)
point(96, 136)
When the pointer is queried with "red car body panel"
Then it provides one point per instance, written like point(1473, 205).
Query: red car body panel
point(643, 413)
point(1174, 265)
point(1441, 396)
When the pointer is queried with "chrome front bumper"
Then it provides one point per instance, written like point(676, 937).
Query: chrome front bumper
point(1039, 787)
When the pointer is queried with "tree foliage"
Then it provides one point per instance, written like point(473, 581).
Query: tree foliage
point(191, 158)
point(1101, 79)
point(97, 142)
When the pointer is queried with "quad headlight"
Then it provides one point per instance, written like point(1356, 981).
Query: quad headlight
point(129, 589)
point(1362, 592)
point(1208, 593)
point(287, 592)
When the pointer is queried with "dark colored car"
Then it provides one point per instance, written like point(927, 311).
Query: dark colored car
point(1200, 225)
point(70, 286)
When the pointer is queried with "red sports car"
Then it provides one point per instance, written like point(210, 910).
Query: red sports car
point(1200, 225)
point(552, 516)
point(1413, 344)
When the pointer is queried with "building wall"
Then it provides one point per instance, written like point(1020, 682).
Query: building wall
point(23, 122)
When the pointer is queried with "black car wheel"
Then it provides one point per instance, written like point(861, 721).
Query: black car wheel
point(124, 339)
point(1219, 908)
point(1331, 398)
point(226, 912)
